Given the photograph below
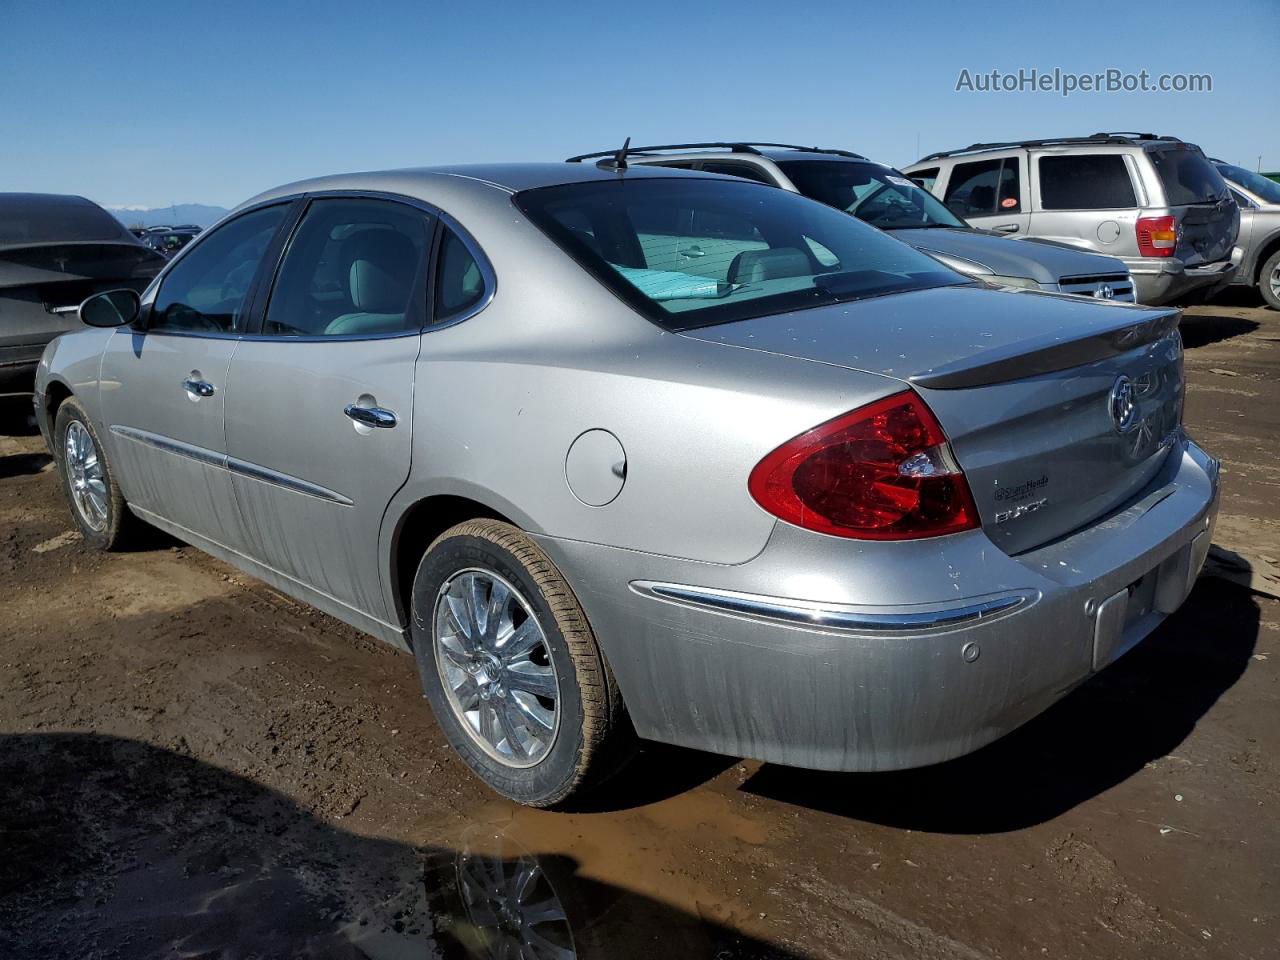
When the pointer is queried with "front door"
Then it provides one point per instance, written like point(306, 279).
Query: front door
point(319, 413)
point(164, 384)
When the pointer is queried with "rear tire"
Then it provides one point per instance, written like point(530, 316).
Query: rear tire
point(97, 506)
point(511, 668)
point(1269, 281)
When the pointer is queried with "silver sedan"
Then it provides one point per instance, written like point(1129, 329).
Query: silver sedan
point(633, 452)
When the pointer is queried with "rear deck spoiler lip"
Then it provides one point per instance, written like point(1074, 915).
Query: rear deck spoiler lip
point(1049, 354)
point(17, 274)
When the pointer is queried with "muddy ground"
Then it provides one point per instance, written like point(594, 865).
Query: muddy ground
point(193, 765)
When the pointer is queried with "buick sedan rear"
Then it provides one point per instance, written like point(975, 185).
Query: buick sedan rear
point(621, 452)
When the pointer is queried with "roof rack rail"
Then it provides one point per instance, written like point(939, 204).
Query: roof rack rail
point(739, 146)
point(1118, 137)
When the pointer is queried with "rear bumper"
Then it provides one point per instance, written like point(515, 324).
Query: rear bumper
point(787, 658)
point(1159, 281)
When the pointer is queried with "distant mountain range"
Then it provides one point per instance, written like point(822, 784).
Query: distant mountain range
point(200, 214)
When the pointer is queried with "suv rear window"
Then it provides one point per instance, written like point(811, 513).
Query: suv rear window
point(688, 252)
point(1097, 181)
point(1187, 176)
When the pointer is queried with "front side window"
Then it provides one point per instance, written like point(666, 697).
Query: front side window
point(460, 285)
point(925, 178)
point(351, 269)
point(879, 195)
point(206, 290)
point(690, 252)
point(1085, 181)
point(984, 188)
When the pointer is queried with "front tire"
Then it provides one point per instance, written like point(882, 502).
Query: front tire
point(511, 668)
point(97, 506)
point(1269, 281)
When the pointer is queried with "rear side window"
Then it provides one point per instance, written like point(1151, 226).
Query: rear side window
point(1085, 182)
point(351, 270)
point(460, 285)
point(984, 188)
point(1187, 176)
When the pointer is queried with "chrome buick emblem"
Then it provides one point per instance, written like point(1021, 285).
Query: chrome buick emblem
point(1123, 403)
point(1104, 292)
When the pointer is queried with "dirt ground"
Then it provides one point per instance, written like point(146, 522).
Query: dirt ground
point(192, 765)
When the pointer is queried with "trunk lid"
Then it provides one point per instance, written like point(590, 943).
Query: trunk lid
point(1058, 409)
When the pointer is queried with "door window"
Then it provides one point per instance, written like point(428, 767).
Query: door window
point(925, 178)
point(1097, 181)
point(206, 290)
point(460, 285)
point(352, 268)
point(984, 188)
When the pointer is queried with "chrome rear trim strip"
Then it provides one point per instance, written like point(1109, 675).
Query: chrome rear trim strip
point(833, 616)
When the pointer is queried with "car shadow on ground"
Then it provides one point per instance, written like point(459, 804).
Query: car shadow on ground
point(1200, 330)
point(1136, 710)
point(23, 464)
point(115, 848)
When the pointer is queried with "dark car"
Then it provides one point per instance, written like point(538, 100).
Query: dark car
point(54, 252)
point(169, 241)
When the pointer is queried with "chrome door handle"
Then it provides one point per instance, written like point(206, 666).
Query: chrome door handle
point(201, 388)
point(371, 416)
point(693, 251)
point(1006, 228)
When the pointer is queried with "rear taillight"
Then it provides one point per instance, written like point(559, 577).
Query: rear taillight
point(881, 472)
point(1157, 236)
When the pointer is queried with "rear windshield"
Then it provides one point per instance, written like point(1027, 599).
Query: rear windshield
point(689, 252)
point(1187, 176)
point(882, 197)
point(26, 218)
point(1265, 189)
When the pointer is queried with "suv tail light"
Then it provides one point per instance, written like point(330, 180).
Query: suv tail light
point(1157, 236)
point(882, 472)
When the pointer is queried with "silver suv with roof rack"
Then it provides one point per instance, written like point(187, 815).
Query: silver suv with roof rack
point(885, 198)
point(1155, 202)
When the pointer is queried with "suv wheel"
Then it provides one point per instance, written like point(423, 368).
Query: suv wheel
point(511, 668)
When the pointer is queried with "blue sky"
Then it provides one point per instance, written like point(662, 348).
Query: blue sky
point(210, 102)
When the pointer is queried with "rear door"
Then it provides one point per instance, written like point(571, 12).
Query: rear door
point(1197, 196)
point(164, 384)
point(990, 193)
point(319, 408)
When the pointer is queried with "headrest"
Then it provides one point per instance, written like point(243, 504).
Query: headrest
point(383, 265)
point(753, 266)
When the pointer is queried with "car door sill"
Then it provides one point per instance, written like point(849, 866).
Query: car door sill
point(390, 633)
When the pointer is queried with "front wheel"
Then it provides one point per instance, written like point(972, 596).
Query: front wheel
point(97, 506)
point(1269, 281)
point(511, 668)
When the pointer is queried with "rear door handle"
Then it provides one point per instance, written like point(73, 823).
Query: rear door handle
point(371, 416)
point(201, 388)
point(1006, 228)
point(693, 251)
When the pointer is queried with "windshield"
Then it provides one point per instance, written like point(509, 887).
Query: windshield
point(1266, 190)
point(1187, 176)
point(689, 252)
point(882, 197)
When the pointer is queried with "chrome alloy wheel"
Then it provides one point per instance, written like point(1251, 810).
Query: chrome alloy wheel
point(1274, 281)
point(495, 667)
point(84, 474)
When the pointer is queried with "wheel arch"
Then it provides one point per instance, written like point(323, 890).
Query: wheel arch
point(420, 521)
point(1266, 250)
point(56, 393)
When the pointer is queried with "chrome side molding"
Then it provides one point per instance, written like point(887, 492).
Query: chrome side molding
point(803, 613)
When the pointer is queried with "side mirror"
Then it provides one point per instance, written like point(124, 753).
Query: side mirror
point(115, 308)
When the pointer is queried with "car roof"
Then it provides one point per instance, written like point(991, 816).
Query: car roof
point(508, 177)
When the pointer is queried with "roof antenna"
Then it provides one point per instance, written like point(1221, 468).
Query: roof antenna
point(619, 160)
